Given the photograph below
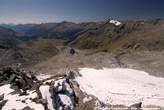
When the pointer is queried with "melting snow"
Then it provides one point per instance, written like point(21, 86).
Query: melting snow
point(122, 86)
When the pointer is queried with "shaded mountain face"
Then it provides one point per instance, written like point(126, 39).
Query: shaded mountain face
point(19, 27)
point(8, 38)
point(63, 30)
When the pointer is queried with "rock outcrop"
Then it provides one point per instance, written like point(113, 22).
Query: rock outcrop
point(54, 93)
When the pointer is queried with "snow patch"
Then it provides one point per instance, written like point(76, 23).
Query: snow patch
point(43, 76)
point(63, 89)
point(87, 99)
point(117, 23)
point(15, 101)
point(66, 100)
point(47, 95)
point(122, 86)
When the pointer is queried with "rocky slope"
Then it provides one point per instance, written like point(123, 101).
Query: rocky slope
point(28, 54)
point(128, 35)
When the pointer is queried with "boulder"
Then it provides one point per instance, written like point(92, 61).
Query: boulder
point(136, 106)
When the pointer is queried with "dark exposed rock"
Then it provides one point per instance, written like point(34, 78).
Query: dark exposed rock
point(17, 77)
point(27, 108)
point(72, 51)
point(136, 106)
point(72, 75)
point(2, 103)
point(1, 97)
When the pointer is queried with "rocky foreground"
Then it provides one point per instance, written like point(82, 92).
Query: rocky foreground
point(22, 90)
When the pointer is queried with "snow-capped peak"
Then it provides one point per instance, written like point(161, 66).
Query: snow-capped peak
point(115, 22)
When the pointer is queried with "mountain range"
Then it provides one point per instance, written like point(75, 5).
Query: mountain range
point(32, 43)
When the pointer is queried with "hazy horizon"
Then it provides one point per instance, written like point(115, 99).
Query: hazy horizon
point(45, 11)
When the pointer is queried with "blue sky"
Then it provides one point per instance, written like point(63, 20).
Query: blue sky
point(38, 11)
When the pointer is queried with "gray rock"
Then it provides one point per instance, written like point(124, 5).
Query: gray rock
point(1, 97)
